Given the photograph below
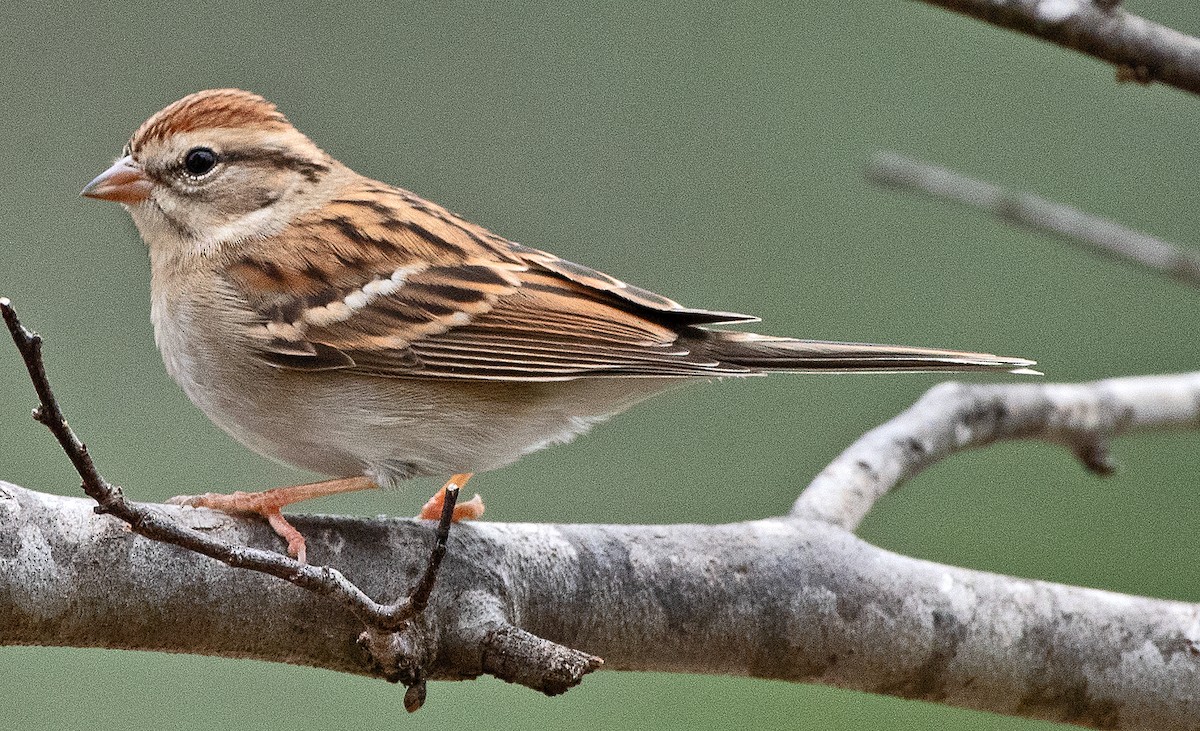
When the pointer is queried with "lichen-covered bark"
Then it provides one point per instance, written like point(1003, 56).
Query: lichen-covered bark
point(790, 599)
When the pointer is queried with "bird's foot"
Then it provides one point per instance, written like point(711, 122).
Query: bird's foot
point(269, 503)
point(470, 510)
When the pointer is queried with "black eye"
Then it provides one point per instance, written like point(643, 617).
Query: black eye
point(199, 160)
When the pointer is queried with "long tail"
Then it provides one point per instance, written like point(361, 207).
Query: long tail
point(766, 353)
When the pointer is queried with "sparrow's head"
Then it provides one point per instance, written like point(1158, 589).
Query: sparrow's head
point(218, 165)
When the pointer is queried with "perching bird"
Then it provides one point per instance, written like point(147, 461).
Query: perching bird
point(354, 329)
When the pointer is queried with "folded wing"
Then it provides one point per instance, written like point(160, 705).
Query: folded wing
point(387, 284)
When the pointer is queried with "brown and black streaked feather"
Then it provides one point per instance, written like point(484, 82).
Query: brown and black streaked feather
point(386, 283)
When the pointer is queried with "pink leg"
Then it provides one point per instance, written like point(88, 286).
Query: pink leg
point(269, 502)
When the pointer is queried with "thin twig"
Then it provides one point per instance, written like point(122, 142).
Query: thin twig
point(396, 659)
point(1142, 50)
point(29, 343)
point(418, 598)
point(1096, 234)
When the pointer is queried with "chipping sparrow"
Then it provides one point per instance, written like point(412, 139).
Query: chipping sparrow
point(357, 330)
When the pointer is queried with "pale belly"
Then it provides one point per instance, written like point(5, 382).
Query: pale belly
point(340, 424)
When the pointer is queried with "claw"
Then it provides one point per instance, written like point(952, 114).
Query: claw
point(297, 548)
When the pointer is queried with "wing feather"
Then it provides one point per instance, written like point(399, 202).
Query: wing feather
point(388, 284)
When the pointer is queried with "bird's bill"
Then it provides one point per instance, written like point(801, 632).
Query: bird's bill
point(124, 182)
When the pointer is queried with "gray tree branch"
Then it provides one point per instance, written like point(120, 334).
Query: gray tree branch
point(1142, 50)
point(955, 417)
point(798, 601)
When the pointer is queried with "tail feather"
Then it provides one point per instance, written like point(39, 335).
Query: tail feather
point(767, 353)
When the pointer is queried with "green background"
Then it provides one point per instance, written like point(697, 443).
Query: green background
point(712, 152)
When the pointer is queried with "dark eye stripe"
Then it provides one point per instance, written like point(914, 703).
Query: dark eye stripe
point(280, 159)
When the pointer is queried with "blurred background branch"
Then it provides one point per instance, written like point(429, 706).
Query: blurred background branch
point(1095, 233)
